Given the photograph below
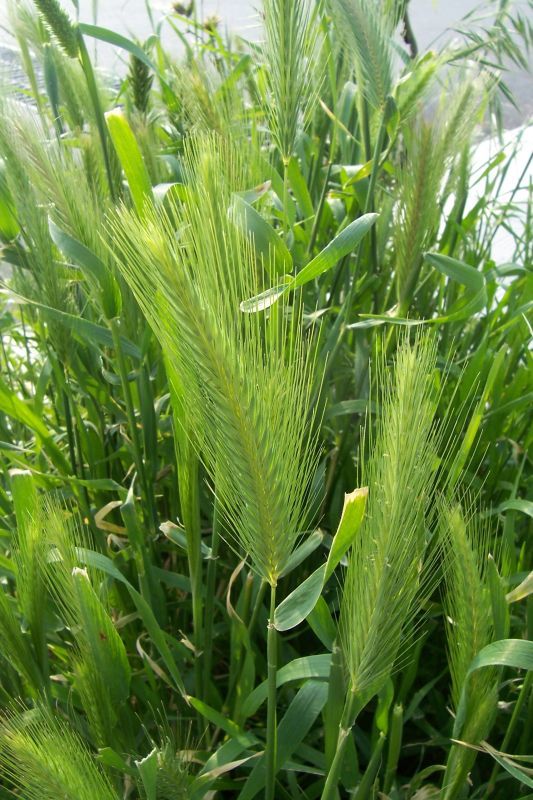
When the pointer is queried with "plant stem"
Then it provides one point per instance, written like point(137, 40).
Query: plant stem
point(257, 607)
point(349, 715)
point(369, 207)
point(271, 740)
point(88, 71)
point(319, 210)
point(285, 197)
point(130, 410)
point(210, 602)
point(70, 432)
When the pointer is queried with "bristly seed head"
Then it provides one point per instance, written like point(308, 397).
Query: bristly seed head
point(61, 25)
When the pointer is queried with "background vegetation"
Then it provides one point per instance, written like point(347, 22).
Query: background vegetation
point(265, 413)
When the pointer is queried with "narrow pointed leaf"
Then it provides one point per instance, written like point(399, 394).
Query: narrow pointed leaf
point(93, 265)
point(517, 653)
point(317, 667)
point(293, 728)
point(295, 608)
point(341, 246)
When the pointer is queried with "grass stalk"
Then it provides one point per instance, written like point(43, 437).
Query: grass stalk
point(258, 604)
point(286, 161)
point(318, 215)
point(352, 707)
point(130, 410)
point(88, 70)
point(209, 610)
point(272, 733)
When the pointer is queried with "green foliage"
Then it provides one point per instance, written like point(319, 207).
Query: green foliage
point(236, 286)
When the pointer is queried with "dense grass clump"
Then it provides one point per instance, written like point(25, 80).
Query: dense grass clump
point(265, 412)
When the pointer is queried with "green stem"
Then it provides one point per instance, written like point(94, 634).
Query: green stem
point(130, 410)
point(271, 740)
point(142, 556)
point(70, 432)
point(63, 390)
point(188, 465)
point(349, 715)
point(257, 607)
point(366, 788)
point(88, 71)
point(234, 697)
point(369, 205)
point(319, 210)
point(285, 197)
point(395, 746)
point(210, 602)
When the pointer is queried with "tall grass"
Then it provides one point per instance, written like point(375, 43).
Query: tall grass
point(265, 427)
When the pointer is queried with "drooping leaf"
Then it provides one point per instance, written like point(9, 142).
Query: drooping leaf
point(343, 244)
point(298, 670)
point(300, 602)
point(270, 247)
point(517, 653)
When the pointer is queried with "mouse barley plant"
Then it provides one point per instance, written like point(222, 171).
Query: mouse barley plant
point(231, 455)
point(44, 758)
point(386, 577)
point(246, 380)
point(468, 603)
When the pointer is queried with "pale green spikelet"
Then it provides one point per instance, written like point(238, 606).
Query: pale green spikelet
point(294, 67)
point(45, 759)
point(385, 573)
point(208, 104)
point(16, 646)
point(432, 148)
point(100, 663)
point(248, 388)
point(418, 211)
point(469, 629)
point(368, 37)
point(29, 555)
point(41, 280)
point(171, 755)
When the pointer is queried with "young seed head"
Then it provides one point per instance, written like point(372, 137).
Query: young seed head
point(61, 25)
point(45, 759)
point(385, 571)
point(248, 379)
